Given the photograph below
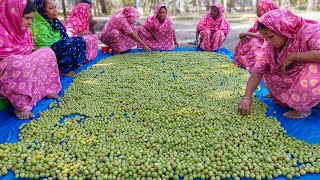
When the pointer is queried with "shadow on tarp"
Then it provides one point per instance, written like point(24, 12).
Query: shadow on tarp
point(307, 129)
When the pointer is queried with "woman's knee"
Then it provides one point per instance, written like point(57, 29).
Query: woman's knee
point(206, 31)
point(219, 33)
point(114, 33)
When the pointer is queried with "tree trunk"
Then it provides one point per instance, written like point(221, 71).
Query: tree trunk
point(98, 7)
point(168, 6)
point(254, 5)
point(282, 4)
point(144, 6)
point(185, 6)
point(64, 9)
point(207, 2)
point(310, 5)
point(103, 7)
point(242, 7)
point(94, 6)
point(174, 7)
point(198, 3)
point(153, 5)
point(123, 3)
point(225, 5)
point(68, 5)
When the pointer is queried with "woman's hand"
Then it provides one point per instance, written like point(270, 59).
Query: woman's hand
point(85, 32)
point(196, 42)
point(154, 35)
point(176, 43)
point(246, 101)
point(242, 35)
point(145, 47)
point(288, 61)
point(245, 105)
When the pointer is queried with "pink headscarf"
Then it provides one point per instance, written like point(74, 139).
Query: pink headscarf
point(123, 20)
point(78, 19)
point(266, 6)
point(130, 13)
point(220, 23)
point(263, 6)
point(152, 23)
point(285, 23)
point(15, 38)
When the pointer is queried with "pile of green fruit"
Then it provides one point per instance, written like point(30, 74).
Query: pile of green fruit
point(157, 115)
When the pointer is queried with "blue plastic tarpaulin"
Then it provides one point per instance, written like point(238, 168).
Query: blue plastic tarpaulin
point(306, 129)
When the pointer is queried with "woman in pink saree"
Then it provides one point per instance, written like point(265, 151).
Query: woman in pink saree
point(26, 75)
point(77, 24)
point(212, 28)
point(92, 22)
point(157, 31)
point(245, 53)
point(120, 33)
point(289, 63)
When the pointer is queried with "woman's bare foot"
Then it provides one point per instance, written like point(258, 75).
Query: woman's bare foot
point(23, 115)
point(54, 96)
point(70, 73)
point(295, 114)
point(267, 96)
point(115, 53)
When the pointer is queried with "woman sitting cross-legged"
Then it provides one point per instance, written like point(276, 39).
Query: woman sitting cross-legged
point(289, 63)
point(212, 28)
point(26, 75)
point(77, 24)
point(48, 31)
point(246, 51)
point(157, 31)
point(92, 22)
point(120, 33)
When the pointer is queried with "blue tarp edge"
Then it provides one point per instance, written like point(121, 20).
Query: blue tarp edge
point(306, 129)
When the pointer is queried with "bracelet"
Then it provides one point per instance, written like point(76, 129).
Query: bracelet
point(246, 97)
